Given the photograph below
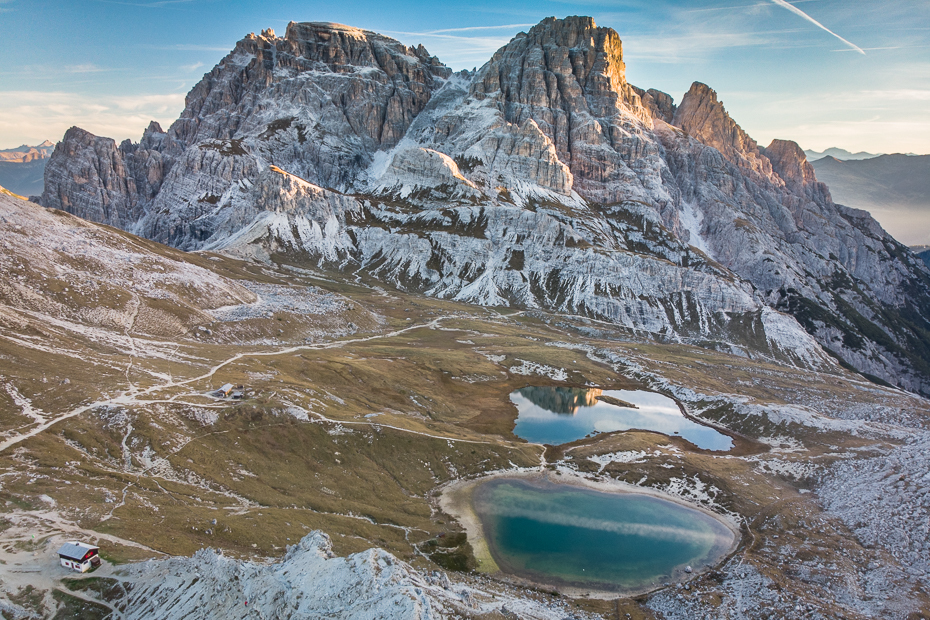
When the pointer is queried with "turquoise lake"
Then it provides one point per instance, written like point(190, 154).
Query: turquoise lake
point(557, 415)
point(565, 535)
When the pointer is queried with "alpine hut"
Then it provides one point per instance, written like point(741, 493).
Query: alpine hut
point(79, 556)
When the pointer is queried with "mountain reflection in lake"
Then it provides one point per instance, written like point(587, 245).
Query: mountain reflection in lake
point(556, 415)
point(561, 399)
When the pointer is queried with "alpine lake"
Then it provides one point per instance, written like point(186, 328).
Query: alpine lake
point(557, 415)
point(576, 535)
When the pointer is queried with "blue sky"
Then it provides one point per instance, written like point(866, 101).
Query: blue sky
point(112, 65)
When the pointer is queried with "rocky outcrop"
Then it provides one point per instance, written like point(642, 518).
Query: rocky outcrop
point(660, 105)
point(703, 116)
point(318, 102)
point(790, 163)
point(569, 78)
point(87, 176)
point(200, 184)
point(310, 581)
point(149, 161)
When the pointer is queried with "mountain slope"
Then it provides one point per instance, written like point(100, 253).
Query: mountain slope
point(542, 180)
point(77, 271)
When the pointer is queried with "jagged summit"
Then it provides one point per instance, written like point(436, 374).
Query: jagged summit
point(790, 163)
point(703, 116)
point(543, 179)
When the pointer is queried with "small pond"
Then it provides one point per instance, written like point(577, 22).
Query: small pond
point(557, 415)
point(560, 534)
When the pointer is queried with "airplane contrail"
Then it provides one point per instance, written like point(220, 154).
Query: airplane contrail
point(797, 11)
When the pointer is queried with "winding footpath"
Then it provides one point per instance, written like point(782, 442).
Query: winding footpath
point(132, 396)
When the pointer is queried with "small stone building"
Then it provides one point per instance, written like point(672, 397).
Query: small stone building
point(79, 556)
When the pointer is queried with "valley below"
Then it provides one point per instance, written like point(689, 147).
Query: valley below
point(362, 402)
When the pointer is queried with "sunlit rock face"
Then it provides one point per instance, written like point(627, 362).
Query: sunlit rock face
point(703, 116)
point(561, 399)
point(543, 179)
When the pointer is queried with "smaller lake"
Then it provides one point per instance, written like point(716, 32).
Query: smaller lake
point(557, 415)
point(562, 535)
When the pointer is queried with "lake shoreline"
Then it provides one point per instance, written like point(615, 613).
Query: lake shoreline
point(456, 500)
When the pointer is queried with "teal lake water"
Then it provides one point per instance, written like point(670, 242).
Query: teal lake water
point(557, 415)
point(565, 535)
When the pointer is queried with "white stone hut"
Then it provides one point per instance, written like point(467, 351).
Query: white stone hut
point(79, 556)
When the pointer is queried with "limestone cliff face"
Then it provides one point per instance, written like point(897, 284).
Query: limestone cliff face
point(569, 78)
point(87, 176)
point(543, 179)
point(790, 163)
point(703, 116)
point(321, 100)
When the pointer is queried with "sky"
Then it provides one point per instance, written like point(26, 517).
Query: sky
point(848, 73)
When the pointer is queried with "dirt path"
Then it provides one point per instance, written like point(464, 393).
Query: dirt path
point(132, 397)
point(29, 554)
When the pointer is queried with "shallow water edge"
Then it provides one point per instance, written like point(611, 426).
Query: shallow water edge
point(457, 500)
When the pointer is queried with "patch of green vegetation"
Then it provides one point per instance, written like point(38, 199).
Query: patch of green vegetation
point(450, 551)
point(467, 164)
point(31, 598)
point(275, 126)
point(106, 588)
point(229, 148)
point(70, 607)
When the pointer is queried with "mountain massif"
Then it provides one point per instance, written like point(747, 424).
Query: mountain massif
point(542, 180)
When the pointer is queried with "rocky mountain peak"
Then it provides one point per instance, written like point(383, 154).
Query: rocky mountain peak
point(703, 116)
point(568, 77)
point(87, 176)
point(575, 49)
point(344, 48)
point(790, 163)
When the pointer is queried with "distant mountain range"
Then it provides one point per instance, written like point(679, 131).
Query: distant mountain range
point(895, 189)
point(838, 153)
point(22, 169)
point(25, 153)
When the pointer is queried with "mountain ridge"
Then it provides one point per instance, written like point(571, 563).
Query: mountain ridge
point(543, 179)
point(22, 169)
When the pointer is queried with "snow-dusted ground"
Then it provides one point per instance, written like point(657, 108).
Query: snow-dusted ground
point(885, 500)
point(272, 298)
point(310, 582)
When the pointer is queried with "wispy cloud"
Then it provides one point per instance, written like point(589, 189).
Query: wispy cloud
point(82, 68)
point(785, 5)
point(27, 116)
point(695, 44)
point(192, 67)
point(472, 28)
point(191, 47)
